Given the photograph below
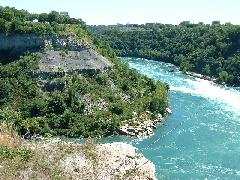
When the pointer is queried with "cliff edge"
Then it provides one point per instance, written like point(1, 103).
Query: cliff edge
point(57, 159)
point(95, 161)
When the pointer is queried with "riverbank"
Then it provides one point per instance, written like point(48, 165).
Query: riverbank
point(144, 124)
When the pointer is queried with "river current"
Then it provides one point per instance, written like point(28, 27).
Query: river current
point(201, 139)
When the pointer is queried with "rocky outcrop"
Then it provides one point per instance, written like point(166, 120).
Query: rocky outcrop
point(91, 105)
point(59, 54)
point(142, 125)
point(21, 42)
point(93, 161)
point(114, 161)
point(16, 44)
point(168, 111)
point(80, 62)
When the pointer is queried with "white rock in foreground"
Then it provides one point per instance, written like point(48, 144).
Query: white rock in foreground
point(113, 161)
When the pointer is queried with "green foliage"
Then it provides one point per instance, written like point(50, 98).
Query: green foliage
point(9, 116)
point(12, 153)
point(212, 50)
point(20, 21)
point(158, 102)
point(34, 111)
point(88, 105)
point(17, 85)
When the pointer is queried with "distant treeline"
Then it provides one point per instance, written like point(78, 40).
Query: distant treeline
point(21, 21)
point(209, 49)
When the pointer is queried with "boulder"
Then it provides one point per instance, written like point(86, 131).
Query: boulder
point(168, 111)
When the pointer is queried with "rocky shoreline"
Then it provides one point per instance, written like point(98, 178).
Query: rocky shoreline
point(143, 125)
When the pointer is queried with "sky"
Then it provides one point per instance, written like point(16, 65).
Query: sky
point(137, 11)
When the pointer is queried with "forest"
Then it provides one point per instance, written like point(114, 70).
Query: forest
point(209, 49)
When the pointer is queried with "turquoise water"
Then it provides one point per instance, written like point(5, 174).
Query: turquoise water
point(201, 139)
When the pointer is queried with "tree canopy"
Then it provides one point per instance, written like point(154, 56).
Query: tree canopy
point(21, 21)
point(212, 50)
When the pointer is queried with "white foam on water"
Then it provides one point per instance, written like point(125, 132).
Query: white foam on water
point(200, 87)
point(183, 90)
point(228, 98)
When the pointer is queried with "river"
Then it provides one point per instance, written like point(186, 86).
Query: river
point(201, 139)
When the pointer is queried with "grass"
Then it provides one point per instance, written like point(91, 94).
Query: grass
point(9, 137)
point(17, 160)
point(12, 156)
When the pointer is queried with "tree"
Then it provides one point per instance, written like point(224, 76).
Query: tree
point(54, 16)
point(7, 14)
point(43, 17)
point(223, 76)
point(201, 48)
point(207, 70)
point(56, 103)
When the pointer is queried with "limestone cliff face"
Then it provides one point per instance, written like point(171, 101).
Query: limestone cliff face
point(65, 54)
point(26, 42)
point(17, 43)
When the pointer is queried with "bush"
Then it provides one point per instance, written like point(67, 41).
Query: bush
point(9, 153)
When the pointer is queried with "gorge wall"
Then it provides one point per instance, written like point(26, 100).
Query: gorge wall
point(20, 42)
point(65, 54)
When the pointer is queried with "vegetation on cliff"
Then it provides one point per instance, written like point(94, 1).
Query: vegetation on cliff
point(88, 105)
point(212, 50)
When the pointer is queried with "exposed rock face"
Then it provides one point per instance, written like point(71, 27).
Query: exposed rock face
point(115, 161)
point(81, 61)
point(99, 104)
point(70, 42)
point(61, 54)
point(14, 45)
point(17, 43)
point(93, 161)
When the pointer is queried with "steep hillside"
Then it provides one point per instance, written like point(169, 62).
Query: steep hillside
point(55, 81)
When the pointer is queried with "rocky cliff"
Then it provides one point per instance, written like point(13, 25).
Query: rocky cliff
point(90, 161)
point(20, 42)
point(65, 54)
point(57, 159)
point(113, 161)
